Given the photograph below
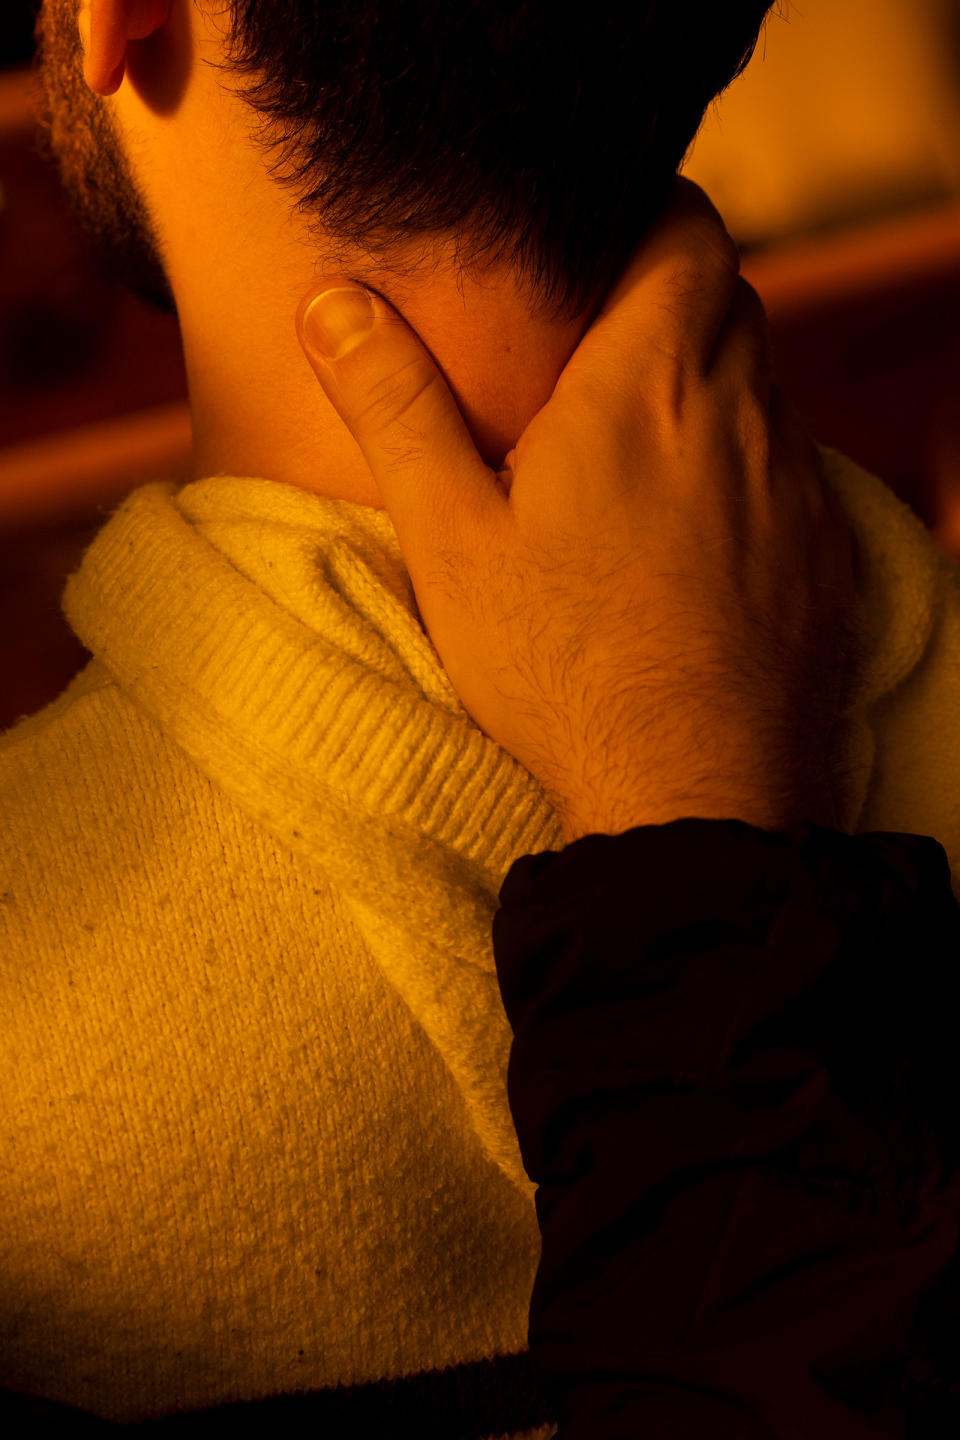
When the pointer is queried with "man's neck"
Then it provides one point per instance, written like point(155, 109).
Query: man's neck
point(258, 409)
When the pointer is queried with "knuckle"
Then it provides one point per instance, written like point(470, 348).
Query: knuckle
point(687, 285)
point(725, 247)
point(715, 245)
point(391, 397)
point(750, 297)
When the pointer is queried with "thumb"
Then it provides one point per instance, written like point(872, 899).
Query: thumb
point(390, 393)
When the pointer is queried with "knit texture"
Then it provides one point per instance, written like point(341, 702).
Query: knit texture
point(255, 1135)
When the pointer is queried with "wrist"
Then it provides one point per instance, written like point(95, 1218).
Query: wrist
point(762, 812)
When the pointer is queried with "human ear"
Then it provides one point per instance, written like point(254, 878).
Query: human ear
point(106, 28)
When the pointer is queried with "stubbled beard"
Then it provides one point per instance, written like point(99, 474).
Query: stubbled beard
point(76, 133)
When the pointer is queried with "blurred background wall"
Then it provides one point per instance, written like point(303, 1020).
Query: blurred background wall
point(849, 110)
point(834, 159)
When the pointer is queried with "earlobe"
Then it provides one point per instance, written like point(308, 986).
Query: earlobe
point(106, 29)
point(103, 34)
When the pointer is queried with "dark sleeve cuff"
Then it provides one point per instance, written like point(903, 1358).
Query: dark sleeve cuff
point(709, 903)
point(736, 1082)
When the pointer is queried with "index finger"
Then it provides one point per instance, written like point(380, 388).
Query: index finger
point(676, 290)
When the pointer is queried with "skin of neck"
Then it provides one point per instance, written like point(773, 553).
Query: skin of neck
point(237, 259)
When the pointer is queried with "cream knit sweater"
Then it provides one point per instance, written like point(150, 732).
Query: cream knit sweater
point(254, 1128)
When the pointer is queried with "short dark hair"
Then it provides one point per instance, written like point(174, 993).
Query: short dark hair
point(538, 134)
